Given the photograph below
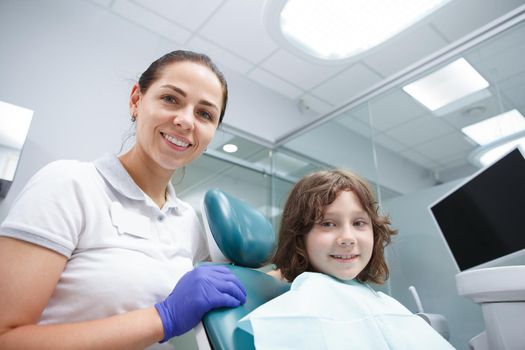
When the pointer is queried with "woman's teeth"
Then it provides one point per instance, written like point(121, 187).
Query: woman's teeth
point(175, 141)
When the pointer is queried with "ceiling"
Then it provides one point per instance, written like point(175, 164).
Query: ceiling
point(233, 32)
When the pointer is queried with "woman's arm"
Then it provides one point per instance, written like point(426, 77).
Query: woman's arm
point(29, 275)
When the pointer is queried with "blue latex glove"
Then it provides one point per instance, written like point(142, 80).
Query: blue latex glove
point(197, 292)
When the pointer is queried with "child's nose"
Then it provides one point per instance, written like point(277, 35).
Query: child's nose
point(346, 237)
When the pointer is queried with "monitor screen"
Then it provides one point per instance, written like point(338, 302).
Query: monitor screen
point(484, 218)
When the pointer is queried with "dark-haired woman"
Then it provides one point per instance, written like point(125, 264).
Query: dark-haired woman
point(100, 255)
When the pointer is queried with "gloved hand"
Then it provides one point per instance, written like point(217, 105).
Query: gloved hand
point(197, 292)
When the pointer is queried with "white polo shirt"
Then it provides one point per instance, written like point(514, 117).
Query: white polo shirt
point(124, 253)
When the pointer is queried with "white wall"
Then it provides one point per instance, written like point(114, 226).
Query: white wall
point(418, 256)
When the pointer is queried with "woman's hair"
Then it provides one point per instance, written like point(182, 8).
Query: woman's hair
point(306, 205)
point(154, 71)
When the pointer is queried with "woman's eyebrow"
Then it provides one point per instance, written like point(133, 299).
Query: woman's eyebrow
point(174, 88)
point(183, 93)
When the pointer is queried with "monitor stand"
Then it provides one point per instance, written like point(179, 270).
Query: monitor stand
point(501, 293)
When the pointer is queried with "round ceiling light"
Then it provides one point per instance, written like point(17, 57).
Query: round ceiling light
point(230, 148)
point(335, 30)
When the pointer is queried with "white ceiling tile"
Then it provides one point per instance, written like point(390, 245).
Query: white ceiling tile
point(454, 161)
point(188, 13)
point(355, 125)
point(404, 50)
point(390, 143)
point(299, 71)
point(104, 3)
point(420, 130)
point(459, 18)
point(502, 42)
point(516, 96)
point(393, 109)
point(151, 21)
point(475, 112)
point(503, 65)
point(272, 82)
point(445, 147)
point(219, 55)
point(360, 112)
point(238, 27)
point(347, 84)
point(316, 104)
point(418, 158)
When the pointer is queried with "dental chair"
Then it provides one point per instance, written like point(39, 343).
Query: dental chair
point(241, 238)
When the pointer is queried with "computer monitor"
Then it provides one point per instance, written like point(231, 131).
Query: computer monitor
point(483, 219)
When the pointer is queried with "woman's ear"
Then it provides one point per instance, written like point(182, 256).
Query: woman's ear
point(134, 100)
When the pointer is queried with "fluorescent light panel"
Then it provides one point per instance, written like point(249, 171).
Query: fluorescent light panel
point(336, 29)
point(495, 128)
point(449, 84)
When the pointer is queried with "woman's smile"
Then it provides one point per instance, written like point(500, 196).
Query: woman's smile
point(176, 142)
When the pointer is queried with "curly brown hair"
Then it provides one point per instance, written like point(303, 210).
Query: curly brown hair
point(306, 205)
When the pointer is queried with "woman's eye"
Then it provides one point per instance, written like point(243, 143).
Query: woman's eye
point(206, 115)
point(169, 99)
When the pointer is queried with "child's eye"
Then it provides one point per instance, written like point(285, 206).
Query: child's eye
point(360, 223)
point(327, 224)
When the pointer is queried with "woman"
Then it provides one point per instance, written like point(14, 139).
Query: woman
point(90, 251)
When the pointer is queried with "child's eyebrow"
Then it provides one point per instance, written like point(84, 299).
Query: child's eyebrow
point(353, 213)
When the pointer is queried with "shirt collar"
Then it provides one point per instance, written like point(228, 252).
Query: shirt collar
point(110, 167)
point(173, 202)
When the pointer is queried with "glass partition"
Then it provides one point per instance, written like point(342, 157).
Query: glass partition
point(415, 153)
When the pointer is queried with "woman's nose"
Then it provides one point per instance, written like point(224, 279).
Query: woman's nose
point(184, 118)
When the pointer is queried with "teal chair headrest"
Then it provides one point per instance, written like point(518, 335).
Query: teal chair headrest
point(243, 234)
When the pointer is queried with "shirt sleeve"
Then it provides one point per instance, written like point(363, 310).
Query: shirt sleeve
point(48, 211)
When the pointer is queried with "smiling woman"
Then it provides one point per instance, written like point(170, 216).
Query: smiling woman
point(111, 239)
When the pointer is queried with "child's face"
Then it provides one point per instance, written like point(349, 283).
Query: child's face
point(341, 244)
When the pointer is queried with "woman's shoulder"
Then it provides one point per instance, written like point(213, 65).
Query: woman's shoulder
point(64, 170)
point(66, 166)
point(60, 177)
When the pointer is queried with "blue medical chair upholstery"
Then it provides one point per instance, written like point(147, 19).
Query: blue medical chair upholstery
point(245, 238)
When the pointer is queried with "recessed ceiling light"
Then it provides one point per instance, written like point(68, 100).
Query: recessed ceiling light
point(446, 85)
point(338, 29)
point(230, 148)
point(495, 128)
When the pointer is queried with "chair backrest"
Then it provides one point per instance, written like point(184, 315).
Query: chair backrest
point(242, 238)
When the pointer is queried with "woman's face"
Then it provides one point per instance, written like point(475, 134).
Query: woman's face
point(178, 115)
point(341, 244)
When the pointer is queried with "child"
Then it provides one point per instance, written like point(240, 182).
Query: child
point(331, 242)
